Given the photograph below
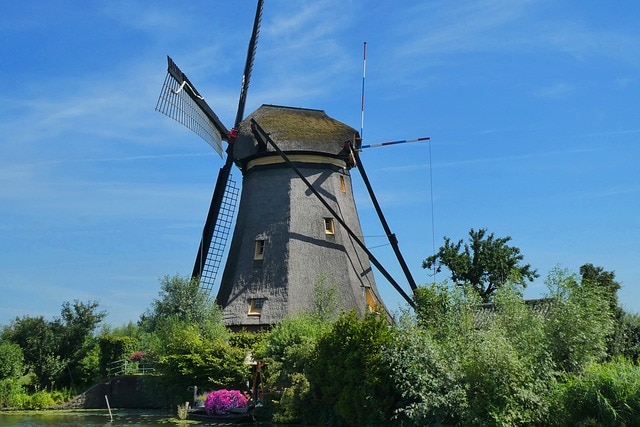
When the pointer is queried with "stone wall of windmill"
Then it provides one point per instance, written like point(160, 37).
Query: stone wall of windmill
point(285, 239)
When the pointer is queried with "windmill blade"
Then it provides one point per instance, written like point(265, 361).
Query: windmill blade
point(222, 183)
point(180, 101)
point(248, 66)
point(208, 264)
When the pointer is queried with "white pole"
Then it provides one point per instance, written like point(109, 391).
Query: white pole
point(109, 407)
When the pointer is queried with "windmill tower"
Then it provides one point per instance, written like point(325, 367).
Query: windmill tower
point(297, 222)
point(285, 239)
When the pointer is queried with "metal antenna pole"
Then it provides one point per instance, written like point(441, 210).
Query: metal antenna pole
point(364, 74)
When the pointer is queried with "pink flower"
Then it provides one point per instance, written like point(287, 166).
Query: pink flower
point(221, 401)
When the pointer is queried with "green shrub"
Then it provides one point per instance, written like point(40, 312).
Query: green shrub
point(40, 400)
point(428, 383)
point(604, 394)
point(12, 394)
point(348, 375)
point(578, 323)
point(293, 406)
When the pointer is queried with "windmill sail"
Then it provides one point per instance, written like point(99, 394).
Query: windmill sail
point(224, 174)
point(180, 101)
point(208, 272)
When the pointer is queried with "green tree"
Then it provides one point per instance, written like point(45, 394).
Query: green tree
point(605, 280)
point(37, 339)
point(578, 322)
point(77, 345)
point(181, 299)
point(53, 350)
point(485, 263)
point(11, 361)
point(464, 363)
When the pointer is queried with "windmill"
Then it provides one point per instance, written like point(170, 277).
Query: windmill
point(297, 222)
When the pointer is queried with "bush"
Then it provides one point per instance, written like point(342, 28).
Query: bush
point(348, 375)
point(428, 383)
point(293, 404)
point(12, 394)
point(578, 323)
point(470, 364)
point(40, 400)
point(604, 394)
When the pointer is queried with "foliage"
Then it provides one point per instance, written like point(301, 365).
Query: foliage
point(597, 277)
point(294, 401)
point(181, 299)
point(183, 411)
point(630, 336)
point(11, 361)
point(136, 356)
point(460, 362)
point(604, 394)
point(114, 348)
point(12, 394)
point(430, 388)
point(54, 349)
point(485, 263)
point(348, 375)
point(326, 300)
point(190, 357)
point(288, 351)
point(40, 400)
point(578, 322)
point(221, 401)
point(291, 344)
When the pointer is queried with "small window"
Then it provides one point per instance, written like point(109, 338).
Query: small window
point(328, 226)
point(370, 300)
point(343, 188)
point(255, 306)
point(259, 251)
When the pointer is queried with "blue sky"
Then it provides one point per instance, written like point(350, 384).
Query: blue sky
point(532, 107)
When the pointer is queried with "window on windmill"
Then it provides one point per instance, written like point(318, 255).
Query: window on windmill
point(259, 251)
point(343, 188)
point(328, 226)
point(370, 300)
point(255, 306)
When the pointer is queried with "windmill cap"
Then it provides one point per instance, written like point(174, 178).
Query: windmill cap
point(293, 130)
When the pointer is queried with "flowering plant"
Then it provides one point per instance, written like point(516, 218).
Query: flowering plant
point(136, 356)
point(221, 401)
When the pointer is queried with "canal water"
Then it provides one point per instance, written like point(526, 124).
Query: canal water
point(127, 418)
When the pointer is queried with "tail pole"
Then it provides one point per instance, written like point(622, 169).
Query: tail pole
point(382, 144)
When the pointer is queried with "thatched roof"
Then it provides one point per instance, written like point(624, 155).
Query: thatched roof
point(294, 130)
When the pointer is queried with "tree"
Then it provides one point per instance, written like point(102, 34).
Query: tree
point(485, 263)
point(53, 349)
point(605, 280)
point(181, 299)
point(11, 361)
